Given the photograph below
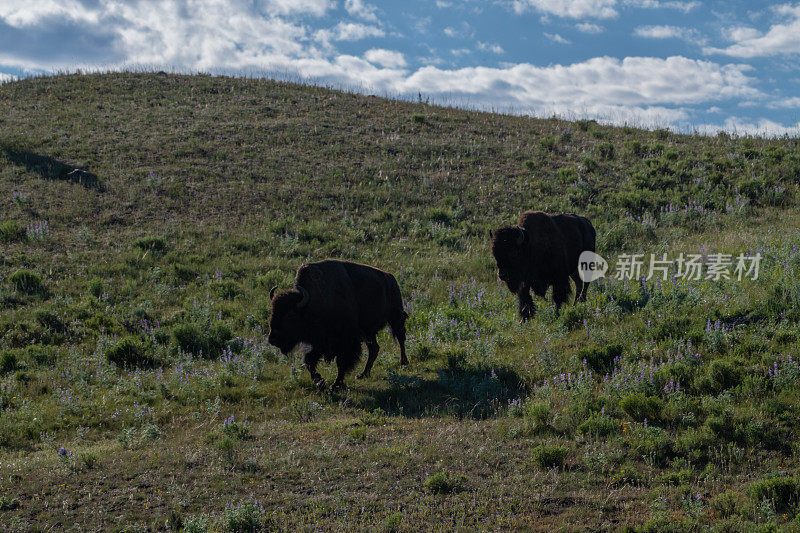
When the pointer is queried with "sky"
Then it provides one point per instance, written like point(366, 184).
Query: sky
point(691, 65)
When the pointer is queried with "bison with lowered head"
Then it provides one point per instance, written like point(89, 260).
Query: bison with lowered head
point(541, 251)
point(333, 308)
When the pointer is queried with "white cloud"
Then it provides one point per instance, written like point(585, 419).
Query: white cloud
point(30, 12)
point(588, 27)
point(792, 102)
point(347, 31)
point(569, 8)
point(601, 85)
point(557, 38)
point(489, 47)
point(762, 128)
point(601, 9)
point(780, 39)
point(685, 7)
point(463, 30)
point(357, 8)
point(669, 32)
point(741, 33)
point(6, 77)
point(385, 58)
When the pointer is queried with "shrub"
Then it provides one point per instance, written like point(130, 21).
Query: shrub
point(589, 164)
point(636, 148)
point(227, 289)
point(445, 483)
point(726, 504)
point(721, 374)
point(96, 287)
point(549, 456)
point(601, 359)
point(782, 491)
point(49, 320)
point(196, 524)
point(419, 118)
point(208, 341)
point(598, 425)
point(567, 174)
point(244, 518)
point(11, 231)
point(129, 352)
point(548, 143)
point(8, 362)
point(156, 244)
point(640, 407)
point(605, 150)
point(26, 281)
point(8, 504)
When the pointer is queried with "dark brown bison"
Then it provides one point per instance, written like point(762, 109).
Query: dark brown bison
point(541, 251)
point(333, 308)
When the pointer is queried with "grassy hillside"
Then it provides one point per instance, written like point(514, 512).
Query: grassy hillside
point(137, 390)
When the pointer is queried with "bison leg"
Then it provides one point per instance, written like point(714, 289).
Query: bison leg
point(347, 356)
point(399, 332)
point(372, 354)
point(526, 306)
point(310, 360)
point(560, 293)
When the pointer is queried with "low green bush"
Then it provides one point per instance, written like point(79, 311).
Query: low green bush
point(549, 455)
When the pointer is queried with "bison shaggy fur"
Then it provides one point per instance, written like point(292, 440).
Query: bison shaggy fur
point(333, 308)
point(542, 251)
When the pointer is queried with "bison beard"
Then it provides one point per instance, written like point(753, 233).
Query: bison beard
point(334, 307)
point(542, 251)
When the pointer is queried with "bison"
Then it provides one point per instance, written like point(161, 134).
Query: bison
point(333, 308)
point(542, 250)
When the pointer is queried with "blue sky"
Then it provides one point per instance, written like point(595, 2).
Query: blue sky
point(689, 65)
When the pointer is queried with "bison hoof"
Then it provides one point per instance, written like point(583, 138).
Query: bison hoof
point(404, 362)
point(337, 385)
point(320, 383)
point(362, 375)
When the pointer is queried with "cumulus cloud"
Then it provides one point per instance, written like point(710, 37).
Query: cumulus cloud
point(588, 27)
point(6, 77)
point(490, 47)
point(601, 9)
point(463, 30)
point(792, 102)
point(385, 58)
point(685, 7)
point(556, 38)
point(348, 31)
point(780, 39)
point(357, 8)
point(761, 128)
point(30, 12)
point(634, 81)
point(669, 32)
point(569, 8)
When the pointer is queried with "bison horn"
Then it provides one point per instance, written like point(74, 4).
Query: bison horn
point(521, 236)
point(306, 297)
point(272, 292)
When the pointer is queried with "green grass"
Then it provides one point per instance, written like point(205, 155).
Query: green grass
point(135, 306)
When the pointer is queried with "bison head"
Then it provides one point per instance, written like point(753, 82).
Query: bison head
point(286, 323)
point(508, 249)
